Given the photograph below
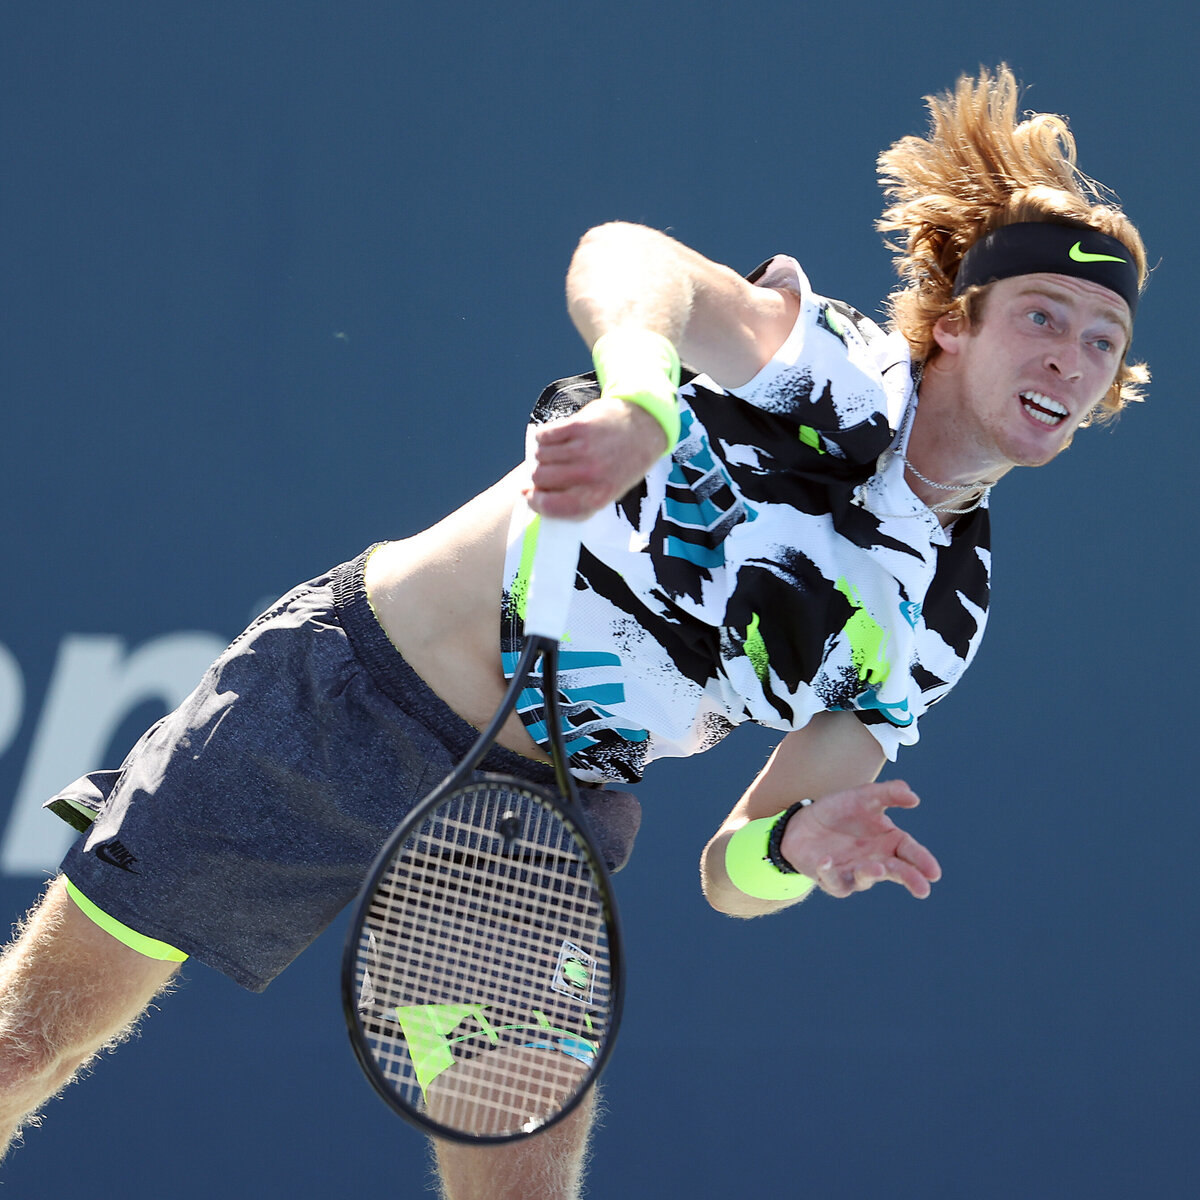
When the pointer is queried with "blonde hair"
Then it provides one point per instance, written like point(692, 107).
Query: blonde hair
point(980, 168)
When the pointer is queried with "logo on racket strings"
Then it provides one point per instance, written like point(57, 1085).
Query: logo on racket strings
point(575, 973)
point(431, 1032)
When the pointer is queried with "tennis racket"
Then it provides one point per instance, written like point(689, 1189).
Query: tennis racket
point(482, 977)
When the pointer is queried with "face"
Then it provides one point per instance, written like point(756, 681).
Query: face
point(1025, 375)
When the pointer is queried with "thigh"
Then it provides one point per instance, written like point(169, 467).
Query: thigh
point(67, 982)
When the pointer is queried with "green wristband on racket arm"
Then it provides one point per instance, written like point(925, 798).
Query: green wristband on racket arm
point(752, 860)
point(642, 368)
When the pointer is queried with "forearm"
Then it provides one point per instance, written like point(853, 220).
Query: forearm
point(832, 756)
point(623, 274)
point(720, 891)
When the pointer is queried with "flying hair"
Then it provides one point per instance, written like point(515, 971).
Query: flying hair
point(982, 166)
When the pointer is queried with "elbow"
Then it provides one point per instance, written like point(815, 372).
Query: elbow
point(726, 905)
point(598, 278)
point(605, 237)
point(622, 272)
point(719, 890)
point(615, 244)
point(724, 896)
point(729, 902)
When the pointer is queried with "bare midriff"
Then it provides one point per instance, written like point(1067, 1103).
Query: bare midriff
point(437, 596)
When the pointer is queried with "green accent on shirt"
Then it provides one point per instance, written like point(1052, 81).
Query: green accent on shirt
point(868, 639)
point(756, 650)
point(520, 586)
point(810, 437)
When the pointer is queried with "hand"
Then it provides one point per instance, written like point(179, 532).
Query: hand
point(591, 459)
point(847, 843)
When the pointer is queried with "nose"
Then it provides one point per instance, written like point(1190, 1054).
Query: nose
point(1065, 358)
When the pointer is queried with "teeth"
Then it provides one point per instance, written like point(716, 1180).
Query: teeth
point(1046, 410)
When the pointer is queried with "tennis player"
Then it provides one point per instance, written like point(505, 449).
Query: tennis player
point(790, 530)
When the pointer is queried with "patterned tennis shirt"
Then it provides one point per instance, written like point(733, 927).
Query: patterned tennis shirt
point(774, 566)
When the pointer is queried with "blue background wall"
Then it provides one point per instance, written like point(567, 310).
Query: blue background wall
point(263, 266)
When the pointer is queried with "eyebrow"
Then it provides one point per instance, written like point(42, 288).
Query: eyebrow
point(1106, 312)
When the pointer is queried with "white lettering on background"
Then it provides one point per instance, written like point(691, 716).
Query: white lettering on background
point(95, 684)
point(12, 697)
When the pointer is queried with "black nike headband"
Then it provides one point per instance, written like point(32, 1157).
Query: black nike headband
point(1033, 247)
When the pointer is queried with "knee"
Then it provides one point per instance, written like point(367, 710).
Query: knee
point(24, 1054)
point(67, 989)
point(32, 1067)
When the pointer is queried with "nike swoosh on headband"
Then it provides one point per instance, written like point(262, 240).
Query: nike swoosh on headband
point(1033, 247)
point(1080, 255)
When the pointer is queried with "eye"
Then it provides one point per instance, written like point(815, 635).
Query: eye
point(1038, 317)
point(1104, 345)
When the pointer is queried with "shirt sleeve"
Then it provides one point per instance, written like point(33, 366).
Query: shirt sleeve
point(828, 375)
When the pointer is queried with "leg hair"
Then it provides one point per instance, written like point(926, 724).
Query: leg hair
point(68, 992)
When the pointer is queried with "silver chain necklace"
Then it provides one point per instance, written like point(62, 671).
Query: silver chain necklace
point(983, 487)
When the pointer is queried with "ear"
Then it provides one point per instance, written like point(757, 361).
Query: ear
point(949, 331)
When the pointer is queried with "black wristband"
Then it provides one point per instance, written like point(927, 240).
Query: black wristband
point(774, 854)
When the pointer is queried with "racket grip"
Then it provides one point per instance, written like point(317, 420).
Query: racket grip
point(552, 577)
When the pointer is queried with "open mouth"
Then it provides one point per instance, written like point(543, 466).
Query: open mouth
point(1043, 408)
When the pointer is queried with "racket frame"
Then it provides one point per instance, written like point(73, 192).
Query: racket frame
point(545, 648)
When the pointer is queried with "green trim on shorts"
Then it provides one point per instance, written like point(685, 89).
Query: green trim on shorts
point(150, 947)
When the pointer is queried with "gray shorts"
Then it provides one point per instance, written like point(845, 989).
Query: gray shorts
point(242, 823)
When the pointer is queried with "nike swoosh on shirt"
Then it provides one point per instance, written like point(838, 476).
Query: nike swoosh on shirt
point(1081, 255)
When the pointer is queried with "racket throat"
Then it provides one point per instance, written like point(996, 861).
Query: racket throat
point(554, 722)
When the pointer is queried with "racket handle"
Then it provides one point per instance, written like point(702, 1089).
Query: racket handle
point(552, 578)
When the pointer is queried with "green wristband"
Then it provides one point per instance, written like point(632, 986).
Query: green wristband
point(750, 869)
point(642, 368)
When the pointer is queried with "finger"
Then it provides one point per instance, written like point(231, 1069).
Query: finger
point(894, 870)
point(844, 879)
point(568, 505)
point(862, 808)
point(832, 881)
point(905, 874)
point(558, 451)
point(572, 503)
point(572, 473)
point(895, 793)
point(554, 433)
point(911, 851)
point(556, 477)
point(868, 874)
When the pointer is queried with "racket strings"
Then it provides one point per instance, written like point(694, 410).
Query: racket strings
point(484, 975)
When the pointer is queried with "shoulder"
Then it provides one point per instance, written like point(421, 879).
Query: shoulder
point(838, 379)
point(828, 333)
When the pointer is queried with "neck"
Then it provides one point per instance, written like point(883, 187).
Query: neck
point(945, 466)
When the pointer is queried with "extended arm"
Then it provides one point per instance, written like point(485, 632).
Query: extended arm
point(630, 277)
point(720, 324)
point(845, 839)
